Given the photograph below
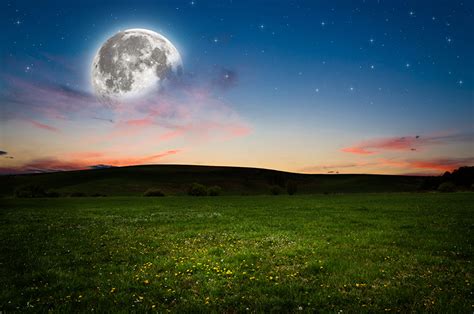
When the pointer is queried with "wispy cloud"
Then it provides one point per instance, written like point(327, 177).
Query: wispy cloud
point(428, 166)
point(42, 126)
point(191, 110)
point(84, 161)
point(31, 99)
point(335, 168)
point(433, 164)
point(406, 143)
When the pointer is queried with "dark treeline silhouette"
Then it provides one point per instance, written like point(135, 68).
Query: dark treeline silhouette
point(459, 179)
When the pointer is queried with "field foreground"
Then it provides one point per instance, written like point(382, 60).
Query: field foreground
point(364, 252)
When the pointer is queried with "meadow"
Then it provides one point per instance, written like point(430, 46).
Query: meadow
point(397, 252)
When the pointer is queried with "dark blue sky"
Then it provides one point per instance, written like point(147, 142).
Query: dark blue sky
point(306, 72)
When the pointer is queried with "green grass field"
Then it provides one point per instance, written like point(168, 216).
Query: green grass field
point(355, 253)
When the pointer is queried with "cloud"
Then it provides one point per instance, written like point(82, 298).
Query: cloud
point(333, 168)
point(31, 99)
point(357, 150)
point(190, 110)
point(83, 161)
point(434, 164)
point(430, 166)
point(42, 126)
point(406, 143)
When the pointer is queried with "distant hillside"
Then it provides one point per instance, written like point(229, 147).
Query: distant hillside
point(176, 179)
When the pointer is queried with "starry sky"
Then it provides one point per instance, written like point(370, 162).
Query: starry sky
point(303, 86)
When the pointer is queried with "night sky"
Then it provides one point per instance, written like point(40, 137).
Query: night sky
point(303, 86)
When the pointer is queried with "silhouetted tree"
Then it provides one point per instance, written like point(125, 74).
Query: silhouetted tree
point(197, 189)
point(447, 187)
point(214, 190)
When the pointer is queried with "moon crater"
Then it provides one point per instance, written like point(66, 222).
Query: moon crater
point(133, 62)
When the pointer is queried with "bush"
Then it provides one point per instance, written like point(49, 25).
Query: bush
point(153, 192)
point(197, 189)
point(275, 190)
point(447, 187)
point(214, 190)
point(29, 191)
point(77, 194)
point(98, 195)
point(291, 187)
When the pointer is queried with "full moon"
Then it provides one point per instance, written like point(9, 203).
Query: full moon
point(132, 63)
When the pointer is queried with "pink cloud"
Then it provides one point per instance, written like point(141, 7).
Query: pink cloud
point(434, 164)
point(42, 99)
point(357, 150)
point(193, 112)
point(334, 168)
point(85, 160)
point(42, 126)
point(140, 122)
point(405, 143)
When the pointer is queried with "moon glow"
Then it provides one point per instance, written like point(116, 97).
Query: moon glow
point(132, 63)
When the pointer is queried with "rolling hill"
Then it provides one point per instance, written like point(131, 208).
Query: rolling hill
point(176, 179)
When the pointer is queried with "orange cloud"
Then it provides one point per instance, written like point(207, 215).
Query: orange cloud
point(405, 143)
point(85, 161)
point(437, 164)
point(139, 122)
point(357, 150)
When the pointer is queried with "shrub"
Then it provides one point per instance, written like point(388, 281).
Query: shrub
point(153, 192)
point(291, 187)
point(29, 191)
point(77, 194)
point(197, 189)
point(447, 187)
point(275, 190)
point(98, 195)
point(214, 190)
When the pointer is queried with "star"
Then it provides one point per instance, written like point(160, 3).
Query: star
point(351, 88)
point(262, 26)
point(317, 90)
point(17, 22)
point(407, 65)
point(460, 82)
point(448, 39)
point(216, 40)
point(371, 40)
point(372, 67)
point(411, 13)
point(323, 23)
